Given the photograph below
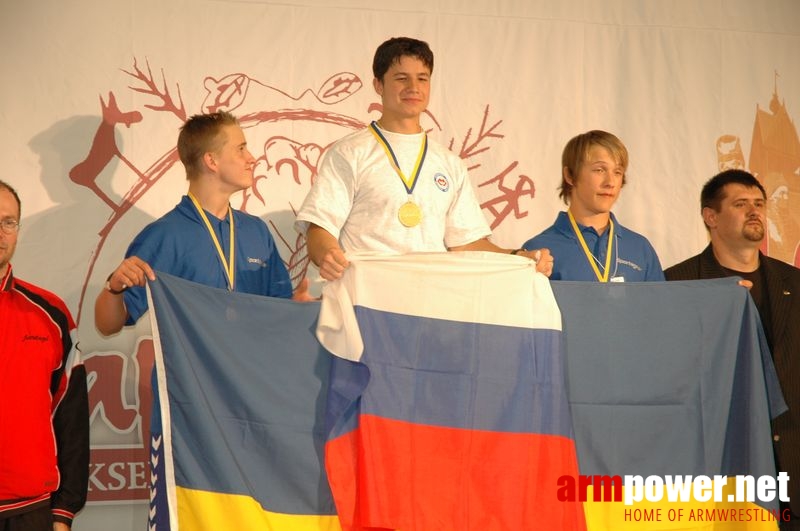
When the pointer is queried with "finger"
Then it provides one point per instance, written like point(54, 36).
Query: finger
point(338, 255)
point(330, 274)
point(141, 267)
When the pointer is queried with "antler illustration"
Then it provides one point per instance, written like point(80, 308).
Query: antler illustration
point(469, 150)
point(151, 89)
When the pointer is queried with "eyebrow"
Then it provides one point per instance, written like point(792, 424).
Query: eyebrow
point(418, 74)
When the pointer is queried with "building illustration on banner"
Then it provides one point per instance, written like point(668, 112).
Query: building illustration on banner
point(277, 125)
point(775, 161)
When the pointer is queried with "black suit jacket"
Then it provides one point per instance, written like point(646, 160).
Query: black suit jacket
point(783, 288)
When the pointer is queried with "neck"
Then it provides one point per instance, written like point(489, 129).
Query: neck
point(598, 221)
point(211, 200)
point(406, 126)
point(3, 271)
point(745, 260)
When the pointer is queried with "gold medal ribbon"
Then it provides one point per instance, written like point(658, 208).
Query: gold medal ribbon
point(423, 150)
point(227, 266)
point(589, 256)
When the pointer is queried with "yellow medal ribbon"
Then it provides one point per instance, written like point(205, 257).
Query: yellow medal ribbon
point(415, 216)
point(227, 266)
point(589, 256)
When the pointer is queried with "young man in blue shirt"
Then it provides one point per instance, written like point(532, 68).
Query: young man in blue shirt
point(202, 239)
point(587, 242)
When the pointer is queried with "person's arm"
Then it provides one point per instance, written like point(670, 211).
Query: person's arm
point(110, 313)
point(542, 257)
point(324, 251)
point(71, 429)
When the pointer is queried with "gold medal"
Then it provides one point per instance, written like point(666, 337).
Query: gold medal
point(409, 214)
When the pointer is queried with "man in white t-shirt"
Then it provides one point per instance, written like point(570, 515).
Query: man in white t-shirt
point(388, 188)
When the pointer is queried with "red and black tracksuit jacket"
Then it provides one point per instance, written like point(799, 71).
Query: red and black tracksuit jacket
point(44, 412)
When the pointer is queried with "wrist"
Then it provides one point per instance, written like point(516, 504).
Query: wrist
point(112, 290)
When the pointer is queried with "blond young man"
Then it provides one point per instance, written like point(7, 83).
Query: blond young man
point(587, 242)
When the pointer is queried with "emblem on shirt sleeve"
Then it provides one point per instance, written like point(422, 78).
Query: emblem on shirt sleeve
point(441, 182)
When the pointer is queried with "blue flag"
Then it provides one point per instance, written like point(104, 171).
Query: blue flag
point(241, 385)
point(662, 379)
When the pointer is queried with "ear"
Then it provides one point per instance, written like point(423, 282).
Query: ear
point(210, 162)
point(709, 217)
point(377, 84)
point(567, 176)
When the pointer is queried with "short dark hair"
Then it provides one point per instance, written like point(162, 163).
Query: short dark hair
point(577, 151)
point(714, 190)
point(200, 135)
point(5, 186)
point(390, 52)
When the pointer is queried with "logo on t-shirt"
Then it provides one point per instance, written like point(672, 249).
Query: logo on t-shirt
point(441, 182)
point(256, 261)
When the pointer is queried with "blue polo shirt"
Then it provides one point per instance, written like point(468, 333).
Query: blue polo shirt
point(633, 259)
point(178, 243)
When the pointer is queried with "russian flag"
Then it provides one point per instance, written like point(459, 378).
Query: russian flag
point(447, 405)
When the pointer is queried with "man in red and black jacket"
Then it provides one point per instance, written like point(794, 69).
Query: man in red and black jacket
point(44, 412)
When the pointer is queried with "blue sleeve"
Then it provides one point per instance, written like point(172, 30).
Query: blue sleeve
point(531, 244)
point(280, 285)
point(136, 297)
point(654, 273)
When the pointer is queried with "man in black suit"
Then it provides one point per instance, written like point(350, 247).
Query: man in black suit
point(733, 207)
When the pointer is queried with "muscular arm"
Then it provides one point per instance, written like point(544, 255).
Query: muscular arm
point(324, 251)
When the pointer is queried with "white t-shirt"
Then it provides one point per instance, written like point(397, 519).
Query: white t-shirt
point(357, 195)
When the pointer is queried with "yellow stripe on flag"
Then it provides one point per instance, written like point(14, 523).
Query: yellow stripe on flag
point(198, 510)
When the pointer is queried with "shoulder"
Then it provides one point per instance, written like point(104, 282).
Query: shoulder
point(247, 218)
point(344, 154)
point(47, 300)
point(689, 269)
point(549, 238)
point(357, 140)
point(251, 226)
point(435, 148)
point(631, 235)
point(162, 225)
point(786, 270)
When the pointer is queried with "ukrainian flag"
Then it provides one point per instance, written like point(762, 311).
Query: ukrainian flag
point(241, 383)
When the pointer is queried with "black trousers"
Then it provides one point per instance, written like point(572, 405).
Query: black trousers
point(40, 519)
